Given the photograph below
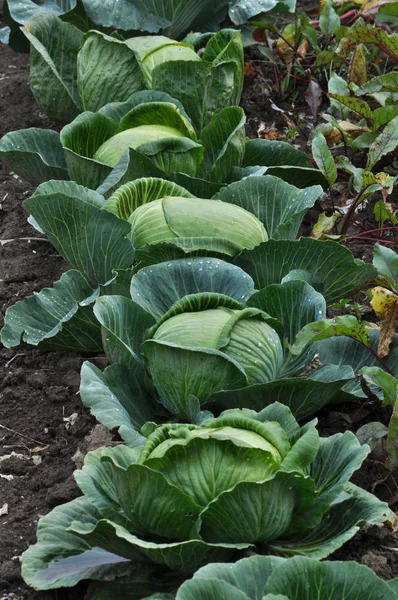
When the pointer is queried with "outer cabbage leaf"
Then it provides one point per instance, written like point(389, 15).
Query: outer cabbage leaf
point(117, 398)
point(284, 161)
point(294, 304)
point(298, 578)
point(23, 10)
point(326, 266)
point(303, 395)
point(35, 154)
point(106, 71)
point(340, 524)
point(157, 288)
point(224, 142)
point(347, 351)
point(279, 206)
point(53, 65)
point(72, 220)
point(60, 558)
point(125, 324)
point(57, 318)
point(242, 10)
point(81, 139)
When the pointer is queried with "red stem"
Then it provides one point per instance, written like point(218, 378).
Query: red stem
point(350, 212)
point(372, 231)
point(348, 14)
point(377, 357)
point(370, 239)
point(345, 16)
point(388, 52)
point(277, 84)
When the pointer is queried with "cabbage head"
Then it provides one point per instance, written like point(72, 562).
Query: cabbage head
point(224, 346)
point(196, 220)
point(159, 131)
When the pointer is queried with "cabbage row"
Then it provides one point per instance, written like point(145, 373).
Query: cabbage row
point(188, 271)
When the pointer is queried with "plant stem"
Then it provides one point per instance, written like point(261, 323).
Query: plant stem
point(370, 239)
point(349, 14)
point(350, 213)
point(331, 196)
point(389, 53)
point(381, 361)
point(277, 84)
point(371, 231)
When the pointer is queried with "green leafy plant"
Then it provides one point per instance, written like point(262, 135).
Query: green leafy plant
point(373, 129)
point(385, 296)
point(346, 341)
point(369, 34)
point(71, 72)
point(188, 495)
point(382, 438)
point(377, 383)
point(151, 135)
point(364, 184)
point(385, 260)
point(297, 578)
point(171, 18)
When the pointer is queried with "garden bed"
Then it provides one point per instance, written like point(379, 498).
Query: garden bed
point(43, 423)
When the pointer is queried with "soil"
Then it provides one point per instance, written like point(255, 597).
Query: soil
point(42, 422)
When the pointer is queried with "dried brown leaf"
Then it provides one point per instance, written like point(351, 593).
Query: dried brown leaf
point(385, 304)
point(303, 48)
point(387, 330)
point(269, 132)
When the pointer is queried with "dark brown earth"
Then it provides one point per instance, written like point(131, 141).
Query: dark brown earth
point(42, 422)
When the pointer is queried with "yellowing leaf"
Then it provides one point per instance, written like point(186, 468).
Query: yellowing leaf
point(352, 129)
point(380, 181)
point(324, 224)
point(371, 7)
point(385, 304)
point(357, 68)
point(333, 136)
point(383, 301)
point(284, 47)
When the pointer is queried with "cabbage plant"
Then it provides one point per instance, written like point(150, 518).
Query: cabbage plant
point(173, 18)
point(187, 495)
point(71, 72)
point(152, 135)
point(202, 320)
point(160, 224)
point(298, 578)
